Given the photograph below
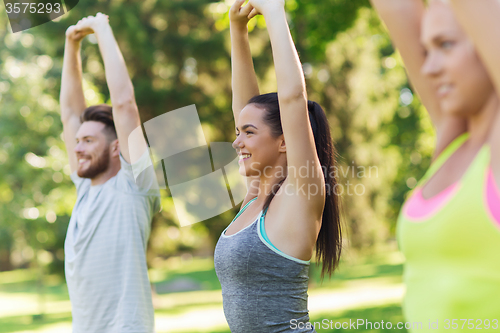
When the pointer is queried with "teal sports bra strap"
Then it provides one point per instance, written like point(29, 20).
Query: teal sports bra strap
point(243, 209)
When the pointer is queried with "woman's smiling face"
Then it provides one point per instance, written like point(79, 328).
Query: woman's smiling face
point(456, 72)
point(256, 146)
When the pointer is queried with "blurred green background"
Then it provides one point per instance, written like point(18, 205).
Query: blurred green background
point(178, 53)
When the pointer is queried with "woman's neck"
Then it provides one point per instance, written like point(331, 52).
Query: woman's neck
point(479, 125)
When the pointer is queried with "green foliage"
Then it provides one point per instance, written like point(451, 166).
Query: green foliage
point(316, 24)
point(33, 191)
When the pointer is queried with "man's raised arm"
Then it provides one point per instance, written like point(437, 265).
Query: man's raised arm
point(72, 100)
point(125, 112)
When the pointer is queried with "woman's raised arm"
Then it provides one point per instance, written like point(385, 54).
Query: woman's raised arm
point(244, 79)
point(292, 95)
point(480, 21)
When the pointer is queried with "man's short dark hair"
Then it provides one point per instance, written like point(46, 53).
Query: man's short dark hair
point(102, 113)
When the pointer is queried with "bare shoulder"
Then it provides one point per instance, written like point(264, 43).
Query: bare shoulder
point(293, 222)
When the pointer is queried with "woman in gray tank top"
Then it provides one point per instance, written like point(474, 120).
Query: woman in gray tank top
point(286, 152)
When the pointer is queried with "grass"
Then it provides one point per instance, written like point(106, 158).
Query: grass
point(357, 291)
point(387, 313)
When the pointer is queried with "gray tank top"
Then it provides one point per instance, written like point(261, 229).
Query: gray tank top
point(263, 290)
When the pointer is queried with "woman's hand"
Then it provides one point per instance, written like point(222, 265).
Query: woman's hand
point(238, 15)
point(92, 24)
point(265, 7)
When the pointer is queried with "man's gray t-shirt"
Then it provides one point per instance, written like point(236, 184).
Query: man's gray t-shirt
point(105, 252)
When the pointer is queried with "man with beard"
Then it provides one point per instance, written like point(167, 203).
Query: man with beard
point(105, 246)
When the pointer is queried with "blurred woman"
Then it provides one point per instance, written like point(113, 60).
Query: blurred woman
point(449, 228)
point(262, 258)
